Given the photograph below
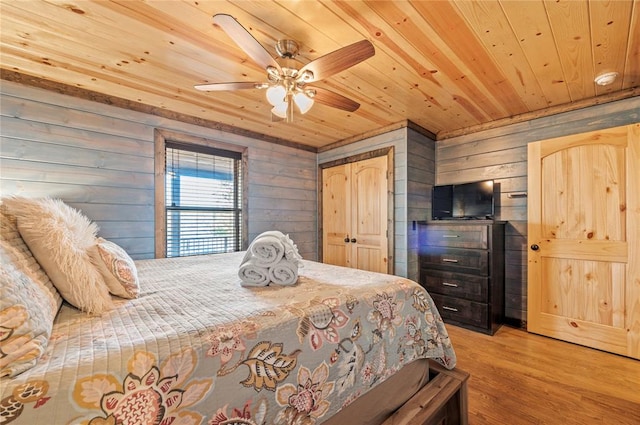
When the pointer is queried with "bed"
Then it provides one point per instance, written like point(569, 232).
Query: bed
point(341, 346)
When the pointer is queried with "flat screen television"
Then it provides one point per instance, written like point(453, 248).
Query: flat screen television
point(465, 201)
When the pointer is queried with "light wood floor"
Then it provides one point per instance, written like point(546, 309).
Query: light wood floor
point(522, 378)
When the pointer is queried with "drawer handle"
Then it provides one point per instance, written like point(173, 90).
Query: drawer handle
point(444, 307)
point(450, 236)
point(454, 285)
point(449, 260)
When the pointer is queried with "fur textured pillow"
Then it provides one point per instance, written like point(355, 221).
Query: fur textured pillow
point(60, 238)
point(116, 267)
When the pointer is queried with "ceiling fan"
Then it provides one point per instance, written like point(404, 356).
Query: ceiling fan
point(288, 79)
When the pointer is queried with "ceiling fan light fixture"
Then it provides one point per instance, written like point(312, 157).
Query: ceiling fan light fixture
point(280, 110)
point(303, 102)
point(276, 95)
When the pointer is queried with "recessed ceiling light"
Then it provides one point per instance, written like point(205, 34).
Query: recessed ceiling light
point(606, 78)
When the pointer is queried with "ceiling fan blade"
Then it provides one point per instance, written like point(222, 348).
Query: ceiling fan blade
point(245, 40)
point(335, 100)
point(228, 86)
point(336, 61)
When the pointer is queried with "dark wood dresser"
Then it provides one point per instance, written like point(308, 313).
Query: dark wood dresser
point(462, 268)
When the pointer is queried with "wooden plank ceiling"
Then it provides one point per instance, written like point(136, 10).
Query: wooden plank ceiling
point(450, 67)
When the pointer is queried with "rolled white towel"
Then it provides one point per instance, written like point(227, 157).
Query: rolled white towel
point(291, 251)
point(253, 275)
point(284, 273)
point(290, 248)
point(265, 250)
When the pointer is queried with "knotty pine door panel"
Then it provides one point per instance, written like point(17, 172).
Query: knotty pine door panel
point(584, 239)
point(355, 215)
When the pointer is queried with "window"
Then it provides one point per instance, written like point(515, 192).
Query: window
point(203, 199)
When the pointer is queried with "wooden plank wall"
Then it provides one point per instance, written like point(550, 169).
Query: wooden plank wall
point(100, 159)
point(501, 154)
point(420, 180)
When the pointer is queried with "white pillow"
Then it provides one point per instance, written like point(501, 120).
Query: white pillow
point(116, 267)
point(60, 238)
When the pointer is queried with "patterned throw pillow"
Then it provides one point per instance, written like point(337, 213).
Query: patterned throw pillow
point(116, 267)
point(60, 238)
point(27, 311)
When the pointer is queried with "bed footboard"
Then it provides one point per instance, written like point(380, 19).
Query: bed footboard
point(442, 401)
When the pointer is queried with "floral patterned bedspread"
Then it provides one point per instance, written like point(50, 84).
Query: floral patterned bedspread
point(197, 348)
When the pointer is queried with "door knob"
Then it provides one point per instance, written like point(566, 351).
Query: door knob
point(535, 247)
point(346, 239)
point(353, 240)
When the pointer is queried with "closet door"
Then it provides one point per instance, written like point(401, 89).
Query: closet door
point(584, 239)
point(336, 214)
point(369, 215)
point(355, 215)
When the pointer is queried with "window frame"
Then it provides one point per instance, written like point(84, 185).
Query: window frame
point(161, 138)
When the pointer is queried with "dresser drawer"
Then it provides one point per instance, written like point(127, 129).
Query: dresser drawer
point(462, 311)
point(474, 261)
point(463, 236)
point(470, 287)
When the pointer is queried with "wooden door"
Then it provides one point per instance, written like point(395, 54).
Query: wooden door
point(336, 214)
point(584, 239)
point(369, 215)
point(355, 215)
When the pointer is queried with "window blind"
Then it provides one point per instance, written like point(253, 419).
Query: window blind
point(203, 200)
